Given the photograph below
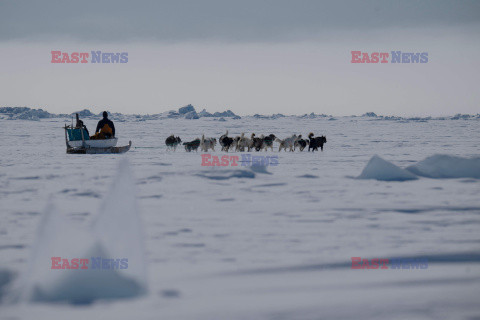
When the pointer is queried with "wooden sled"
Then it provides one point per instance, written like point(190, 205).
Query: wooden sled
point(104, 146)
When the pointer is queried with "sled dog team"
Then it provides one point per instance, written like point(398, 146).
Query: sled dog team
point(242, 143)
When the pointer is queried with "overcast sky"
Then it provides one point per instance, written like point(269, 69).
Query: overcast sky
point(265, 57)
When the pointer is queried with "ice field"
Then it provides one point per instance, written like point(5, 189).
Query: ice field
point(273, 242)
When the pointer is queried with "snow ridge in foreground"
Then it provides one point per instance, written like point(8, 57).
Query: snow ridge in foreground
point(116, 234)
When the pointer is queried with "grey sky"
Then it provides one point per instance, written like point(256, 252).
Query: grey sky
point(250, 56)
point(246, 20)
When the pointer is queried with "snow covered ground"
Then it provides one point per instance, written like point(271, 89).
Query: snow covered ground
point(257, 244)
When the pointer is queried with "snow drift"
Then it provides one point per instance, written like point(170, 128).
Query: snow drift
point(382, 170)
point(227, 174)
point(116, 233)
point(445, 166)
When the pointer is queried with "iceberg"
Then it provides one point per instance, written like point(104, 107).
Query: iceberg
point(191, 115)
point(85, 113)
point(204, 113)
point(442, 166)
point(186, 109)
point(228, 113)
point(382, 170)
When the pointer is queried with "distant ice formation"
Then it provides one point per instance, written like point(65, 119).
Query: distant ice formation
point(446, 166)
point(382, 170)
point(116, 234)
point(189, 112)
point(438, 166)
point(186, 109)
point(186, 112)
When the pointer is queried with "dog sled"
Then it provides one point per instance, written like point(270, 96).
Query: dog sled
point(78, 142)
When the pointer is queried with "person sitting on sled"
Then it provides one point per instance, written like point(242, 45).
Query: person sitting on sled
point(80, 125)
point(106, 128)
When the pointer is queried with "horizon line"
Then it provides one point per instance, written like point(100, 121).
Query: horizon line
point(367, 114)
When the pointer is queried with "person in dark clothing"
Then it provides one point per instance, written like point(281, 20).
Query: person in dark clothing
point(84, 127)
point(106, 128)
point(80, 125)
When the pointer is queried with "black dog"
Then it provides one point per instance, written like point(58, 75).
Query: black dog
point(192, 145)
point(316, 142)
point(225, 142)
point(268, 141)
point(257, 143)
point(173, 142)
point(301, 143)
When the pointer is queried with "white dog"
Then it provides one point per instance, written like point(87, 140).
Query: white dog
point(242, 143)
point(207, 143)
point(287, 143)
